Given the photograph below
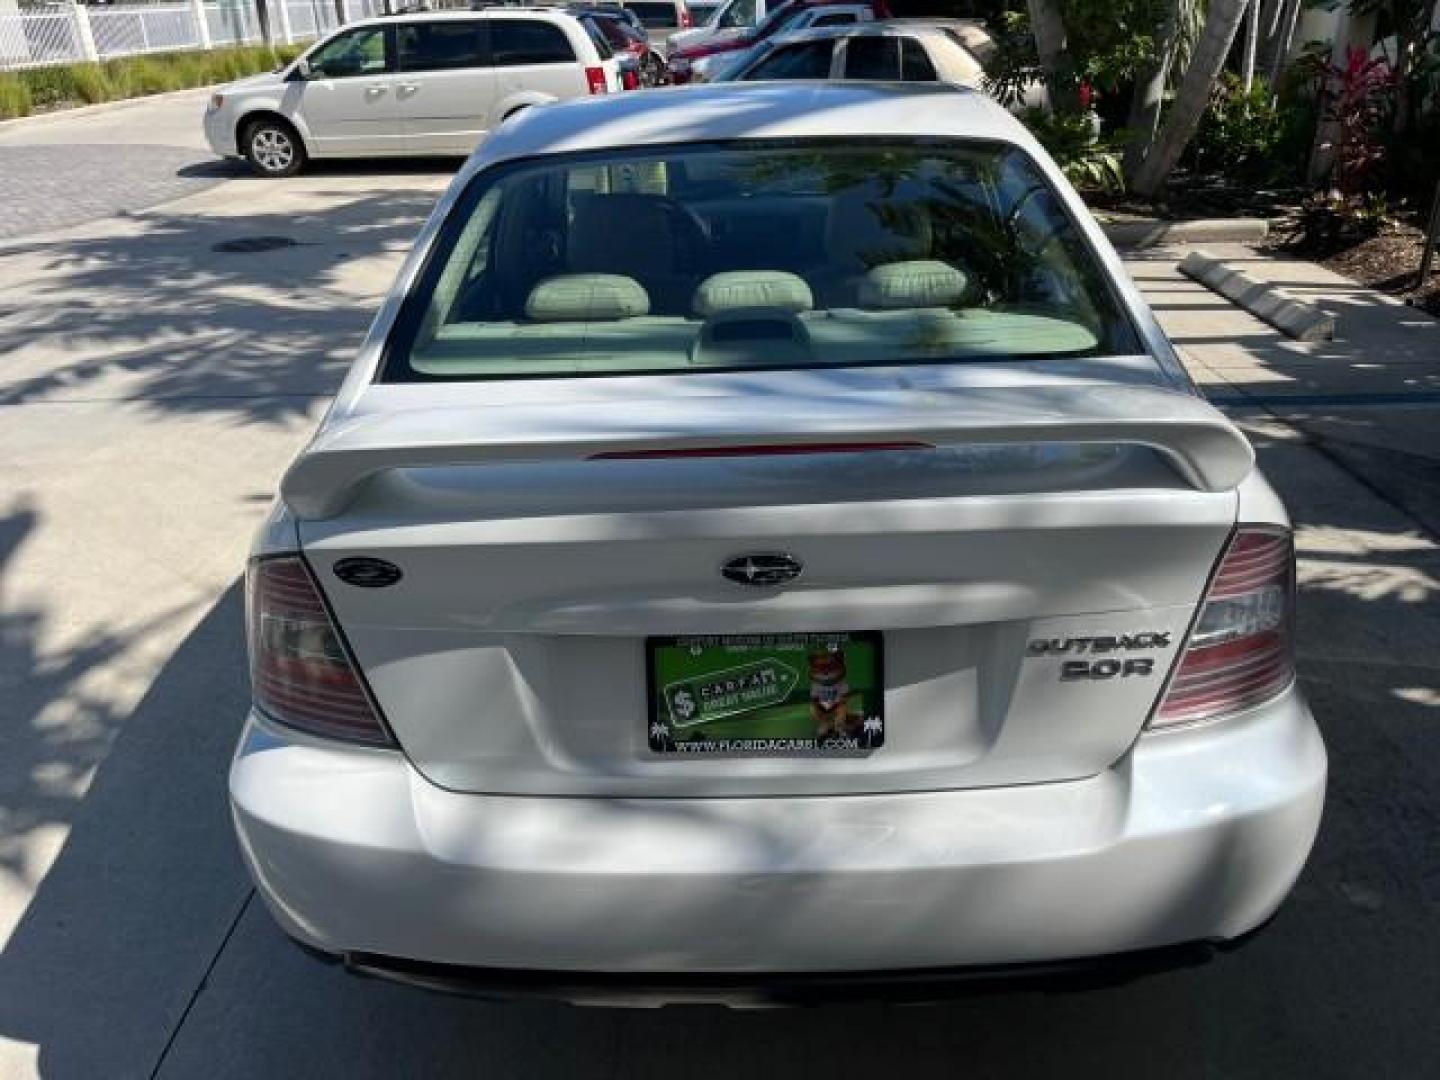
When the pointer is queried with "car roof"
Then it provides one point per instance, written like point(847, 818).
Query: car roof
point(863, 29)
point(719, 112)
point(504, 11)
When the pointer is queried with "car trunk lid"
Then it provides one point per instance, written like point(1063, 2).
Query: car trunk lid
point(986, 539)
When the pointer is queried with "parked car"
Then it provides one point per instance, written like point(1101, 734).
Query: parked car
point(703, 61)
point(765, 539)
point(731, 17)
point(622, 13)
point(879, 51)
point(971, 34)
point(900, 50)
point(627, 40)
point(408, 85)
point(661, 18)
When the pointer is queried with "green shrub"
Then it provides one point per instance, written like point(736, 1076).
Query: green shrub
point(14, 97)
point(1071, 140)
point(90, 84)
point(153, 75)
point(64, 85)
point(52, 87)
point(1251, 140)
point(190, 69)
point(118, 75)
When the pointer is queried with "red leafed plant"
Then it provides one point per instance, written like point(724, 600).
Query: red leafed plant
point(1358, 95)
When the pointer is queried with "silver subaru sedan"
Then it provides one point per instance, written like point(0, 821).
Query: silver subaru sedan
point(766, 540)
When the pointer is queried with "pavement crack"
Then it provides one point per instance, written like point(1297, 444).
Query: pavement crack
point(204, 980)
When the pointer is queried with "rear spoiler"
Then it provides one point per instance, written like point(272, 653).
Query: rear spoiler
point(1207, 451)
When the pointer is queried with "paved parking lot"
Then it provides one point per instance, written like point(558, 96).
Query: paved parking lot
point(68, 169)
point(151, 390)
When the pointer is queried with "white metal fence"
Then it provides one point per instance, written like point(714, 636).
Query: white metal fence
point(65, 32)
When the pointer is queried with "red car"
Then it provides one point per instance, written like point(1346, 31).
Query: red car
point(699, 61)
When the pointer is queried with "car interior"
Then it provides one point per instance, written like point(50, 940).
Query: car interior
point(727, 259)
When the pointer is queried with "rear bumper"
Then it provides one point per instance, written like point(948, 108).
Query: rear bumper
point(1196, 835)
point(775, 989)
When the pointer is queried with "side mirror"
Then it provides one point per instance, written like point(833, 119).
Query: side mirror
point(303, 70)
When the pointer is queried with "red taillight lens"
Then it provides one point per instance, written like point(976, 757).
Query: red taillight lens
point(300, 673)
point(595, 79)
point(629, 80)
point(1241, 649)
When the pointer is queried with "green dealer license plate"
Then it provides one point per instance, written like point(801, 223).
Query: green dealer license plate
point(763, 694)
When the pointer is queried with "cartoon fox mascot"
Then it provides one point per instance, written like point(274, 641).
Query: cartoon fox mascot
point(829, 693)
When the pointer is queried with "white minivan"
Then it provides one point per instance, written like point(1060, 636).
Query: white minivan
point(423, 84)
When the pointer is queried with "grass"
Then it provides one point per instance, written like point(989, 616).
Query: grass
point(65, 85)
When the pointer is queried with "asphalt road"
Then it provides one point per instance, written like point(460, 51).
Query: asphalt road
point(151, 390)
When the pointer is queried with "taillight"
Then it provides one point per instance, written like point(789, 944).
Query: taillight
point(300, 672)
point(595, 79)
point(1240, 651)
point(629, 80)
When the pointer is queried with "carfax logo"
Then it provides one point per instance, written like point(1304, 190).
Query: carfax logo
point(725, 693)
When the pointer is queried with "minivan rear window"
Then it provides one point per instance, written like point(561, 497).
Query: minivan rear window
point(656, 14)
point(517, 42)
point(763, 254)
point(441, 46)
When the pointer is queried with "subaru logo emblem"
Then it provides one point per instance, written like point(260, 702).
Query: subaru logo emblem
point(367, 573)
point(763, 569)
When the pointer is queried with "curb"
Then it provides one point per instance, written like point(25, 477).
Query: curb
point(39, 119)
point(1295, 318)
point(1151, 233)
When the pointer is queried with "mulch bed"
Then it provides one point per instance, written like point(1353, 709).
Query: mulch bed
point(1388, 262)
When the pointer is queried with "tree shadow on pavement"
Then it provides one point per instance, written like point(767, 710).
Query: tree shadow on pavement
point(105, 959)
point(150, 312)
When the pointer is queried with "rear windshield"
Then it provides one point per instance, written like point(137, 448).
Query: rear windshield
point(755, 255)
point(655, 14)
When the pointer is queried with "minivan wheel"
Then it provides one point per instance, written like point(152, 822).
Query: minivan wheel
point(273, 149)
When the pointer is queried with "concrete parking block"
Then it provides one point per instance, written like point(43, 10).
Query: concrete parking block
point(1299, 320)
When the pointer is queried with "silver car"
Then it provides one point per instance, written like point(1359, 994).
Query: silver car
point(877, 51)
point(765, 537)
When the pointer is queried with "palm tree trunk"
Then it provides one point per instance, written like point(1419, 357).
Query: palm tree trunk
point(1149, 94)
point(1048, 26)
point(1277, 49)
point(1221, 22)
point(1252, 36)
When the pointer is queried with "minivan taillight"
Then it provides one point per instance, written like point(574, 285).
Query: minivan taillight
point(595, 79)
point(1240, 651)
point(300, 672)
point(629, 80)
